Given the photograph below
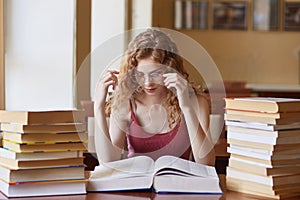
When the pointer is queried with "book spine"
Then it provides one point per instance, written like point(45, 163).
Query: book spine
point(178, 14)
point(188, 14)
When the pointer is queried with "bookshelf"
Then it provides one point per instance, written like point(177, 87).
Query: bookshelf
point(280, 15)
point(242, 55)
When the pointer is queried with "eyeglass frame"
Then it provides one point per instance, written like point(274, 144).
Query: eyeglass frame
point(140, 77)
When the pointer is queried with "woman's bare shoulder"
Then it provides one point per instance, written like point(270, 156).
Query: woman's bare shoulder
point(203, 103)
point(202, 98)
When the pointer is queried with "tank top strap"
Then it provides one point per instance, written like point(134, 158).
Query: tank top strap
point(132, 109)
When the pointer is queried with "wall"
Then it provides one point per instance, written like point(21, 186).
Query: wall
point(39, 54)
point(2, 80)
point(254, 57)
point(271, 57)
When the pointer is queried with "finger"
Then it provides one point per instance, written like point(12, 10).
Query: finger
point(170, 78)
point(178, 86)
point(113, 82)
point(109, 76)
point(171, 85)
point(113, 71)
point(106, 77)
point(113, 74)
point(108, 80)
point(109, 83)
point(173, 80)
point(169, 74)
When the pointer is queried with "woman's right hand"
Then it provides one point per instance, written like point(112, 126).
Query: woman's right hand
point(107, 79)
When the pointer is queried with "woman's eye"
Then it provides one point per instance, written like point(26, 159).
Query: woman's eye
point(155, 74)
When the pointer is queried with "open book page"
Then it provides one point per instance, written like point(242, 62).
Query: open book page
point(174, 165)
point(137, 166)
point(128, 174)
point(175, 175)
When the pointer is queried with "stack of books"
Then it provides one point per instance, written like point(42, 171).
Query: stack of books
point(42, 153)
point(264, 145)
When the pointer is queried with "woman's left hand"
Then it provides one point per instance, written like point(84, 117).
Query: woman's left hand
point(174, 80)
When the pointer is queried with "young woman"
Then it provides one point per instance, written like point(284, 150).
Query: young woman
point(153, 109)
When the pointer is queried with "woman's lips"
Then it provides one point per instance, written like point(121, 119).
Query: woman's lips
point(150, 90)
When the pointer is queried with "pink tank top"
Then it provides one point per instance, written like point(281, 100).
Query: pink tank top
point(175, 142)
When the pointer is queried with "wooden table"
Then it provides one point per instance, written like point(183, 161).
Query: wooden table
point(147, 195)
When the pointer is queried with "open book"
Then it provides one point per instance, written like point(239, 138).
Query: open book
point(168, 174)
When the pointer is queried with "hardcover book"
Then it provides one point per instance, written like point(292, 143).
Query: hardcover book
point(264, 180)
point(30, 164)
point(273, 134)
point(46, 147)
point(264, 170)
point(45, 137)
point(47, 188)
point(42, 117)
point(274, 192)
point(263, 139)
point(43, 128)
point(167, 174)
point(259, 119)
point(263, 126)
point(41, 174)
point(263, 104)
point(22, 156)
point(280, 148)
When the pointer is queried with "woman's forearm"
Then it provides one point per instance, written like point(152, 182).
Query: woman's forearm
point(101, 119)
point(105, 151)
point(101, 128)
point(197, 119)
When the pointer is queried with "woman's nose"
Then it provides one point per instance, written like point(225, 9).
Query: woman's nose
point(147, 79)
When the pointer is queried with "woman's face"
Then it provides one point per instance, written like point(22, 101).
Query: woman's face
point(149, 75)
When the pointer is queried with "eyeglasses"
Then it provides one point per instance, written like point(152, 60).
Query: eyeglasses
point(155, 76)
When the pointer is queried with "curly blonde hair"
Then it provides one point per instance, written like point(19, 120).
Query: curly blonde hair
point(156, 45)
